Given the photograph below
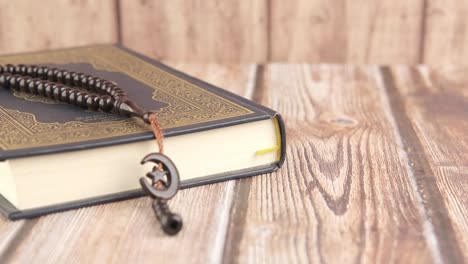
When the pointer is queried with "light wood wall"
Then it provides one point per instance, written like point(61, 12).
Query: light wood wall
point(332, 31)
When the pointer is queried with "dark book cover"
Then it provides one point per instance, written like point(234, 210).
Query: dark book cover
point(32, 125)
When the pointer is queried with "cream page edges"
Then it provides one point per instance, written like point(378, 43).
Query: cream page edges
point(63, 177)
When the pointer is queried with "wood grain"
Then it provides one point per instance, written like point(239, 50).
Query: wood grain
point(8, 232)
point(376, 172)
point(446, 33)
point(41, 25)
point(383, 32)
point(436, 103)
point(128, 232)
point(346, 193)
point(236, 78)
point(200, 31)
point(346, 31)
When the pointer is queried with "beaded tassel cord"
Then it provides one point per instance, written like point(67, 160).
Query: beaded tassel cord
point(96, 94)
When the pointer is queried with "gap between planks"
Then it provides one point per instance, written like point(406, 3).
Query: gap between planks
point(389, 110)
point(238, 211)
point(222, 236)
point(430, 234)
point(21, 229)
point(438, 229)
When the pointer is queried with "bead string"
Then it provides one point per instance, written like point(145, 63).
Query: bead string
point(158, 134)
point(157, 130)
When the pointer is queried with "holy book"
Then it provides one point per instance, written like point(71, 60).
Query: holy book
point(55, 156)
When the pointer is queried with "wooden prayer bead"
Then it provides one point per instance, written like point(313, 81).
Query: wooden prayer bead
point(60, 76)
point(20, 69)
point(97, 86)
point(42, 72)
point(57, 91)
point(5, 80)
point(41, 88)
point(72, 96)
point(68, 78)
point(91, 83)
point(14, 82)
point(65, 94)
point(10, 68)
point(104, 86)
point(84, 81)
point(105, 103)
point(81, 99)
point(23, 83)
point(49, 90)
point(51, 75)
point(31, 71)
point(110, 88)
point(32, 86)
point(77, 79)
point(92, 103)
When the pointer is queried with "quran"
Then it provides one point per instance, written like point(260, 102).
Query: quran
point(55, 156)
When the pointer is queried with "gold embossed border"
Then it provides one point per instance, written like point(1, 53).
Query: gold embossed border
point(187, 104)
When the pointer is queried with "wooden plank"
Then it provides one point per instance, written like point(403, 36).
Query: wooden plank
point(346, 193)
point(446, 32)
point(8, 232)
point(128, 232)
point(40, 25)
point(196, 31)
point(236, 78)
point(346, 31)
point(435, 102)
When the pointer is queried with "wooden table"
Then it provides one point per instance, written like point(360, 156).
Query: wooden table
point(377, 171)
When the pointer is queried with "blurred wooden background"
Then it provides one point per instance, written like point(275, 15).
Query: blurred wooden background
point(332, 31)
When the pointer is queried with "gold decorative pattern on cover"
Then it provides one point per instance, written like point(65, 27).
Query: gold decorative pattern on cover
point(187, 103)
